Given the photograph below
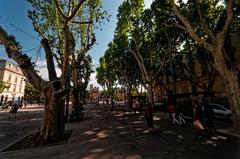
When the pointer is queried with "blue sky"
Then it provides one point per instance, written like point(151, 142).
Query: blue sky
point(14, 12)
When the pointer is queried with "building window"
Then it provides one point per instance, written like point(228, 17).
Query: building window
point(9, 78)
point(20, 89)
point(14, 87)
point(15, 80)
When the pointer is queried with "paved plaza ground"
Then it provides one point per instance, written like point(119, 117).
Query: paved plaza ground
point(107, 134)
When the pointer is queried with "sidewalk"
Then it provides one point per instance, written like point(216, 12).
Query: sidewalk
point(106, 134)
point(27, 120)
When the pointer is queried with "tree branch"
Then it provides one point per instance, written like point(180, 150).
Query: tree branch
point(205, 27)
point(59, 9)
point(229, 17)
point(74, 12)
point(208, 31)
point(49, 58)
point(189, 28)
point(90, 22)
point(24, 62)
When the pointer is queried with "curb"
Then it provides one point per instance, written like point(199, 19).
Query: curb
point(228, 132)
point(14, 142)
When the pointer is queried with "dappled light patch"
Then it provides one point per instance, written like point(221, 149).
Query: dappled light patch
point(168, 132)
point(95, 129)
point(97, 150)
point(35, 119)
point(94, 139)
point(120, 118)
point(118, 115)
point(127, 113)
point(120, 127)
point(133, 157)
point(139, 129)
point(89, 132)
point(102, 134)
point(156, 118)
point(180, 137)
point(4, 121)
point(123, 133)
point(137, 122)
point(145, 132)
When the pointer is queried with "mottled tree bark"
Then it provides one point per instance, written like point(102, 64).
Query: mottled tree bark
point(53, 129)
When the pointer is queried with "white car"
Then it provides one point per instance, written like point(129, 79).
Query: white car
point(220, 110)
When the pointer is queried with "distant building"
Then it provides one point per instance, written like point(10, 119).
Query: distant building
point(120, 94)
point(12, 75)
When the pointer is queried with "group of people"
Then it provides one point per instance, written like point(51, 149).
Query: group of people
point(137, 106)
point(176, 114)
point(202, 115)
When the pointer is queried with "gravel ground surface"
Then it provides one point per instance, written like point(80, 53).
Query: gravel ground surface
point(107, 134)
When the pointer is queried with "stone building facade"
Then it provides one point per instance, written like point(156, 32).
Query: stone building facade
point(12, 75)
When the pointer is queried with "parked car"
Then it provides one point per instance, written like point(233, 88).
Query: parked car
point(161, 106)
point(220, 110)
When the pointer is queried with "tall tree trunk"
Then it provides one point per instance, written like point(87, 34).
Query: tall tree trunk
point(229, 75)
point(53, 128)
point(231, 80)
point(233, 92)
point(129, 98)
point(76, 92)
point(75, 98)
point(151, 94)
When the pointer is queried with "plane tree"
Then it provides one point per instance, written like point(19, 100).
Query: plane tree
point(210, 24)
point(53, 90)
point(106, 75)
point(51, 22)
point(152, 42)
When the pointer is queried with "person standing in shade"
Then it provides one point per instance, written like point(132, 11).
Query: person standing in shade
point(197, 116)
point(208, 119)
point(113, 104)
point(148, 117)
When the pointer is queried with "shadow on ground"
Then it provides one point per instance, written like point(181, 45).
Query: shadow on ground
point(107, 134)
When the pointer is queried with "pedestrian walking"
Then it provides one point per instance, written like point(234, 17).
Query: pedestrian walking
point(134, 106)
point(148, 117)
point(180, 114)
point(140, 106)
point(13, 111)
point(172, 111)
point(197, 117)
point(113, 104)
point(208, 119)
